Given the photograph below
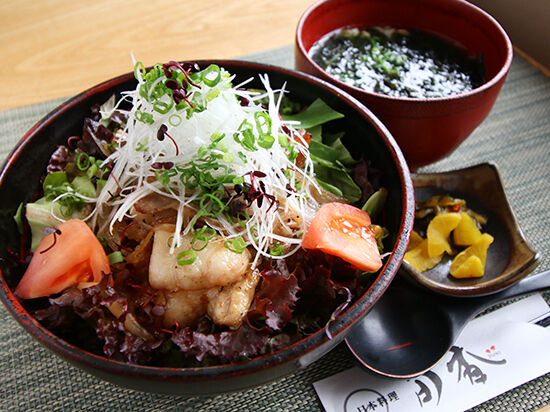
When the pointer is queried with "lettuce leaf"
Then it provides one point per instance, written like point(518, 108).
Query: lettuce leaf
point(316, 114)
point(339, 178)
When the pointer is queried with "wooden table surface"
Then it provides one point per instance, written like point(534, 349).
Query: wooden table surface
point(56, 48)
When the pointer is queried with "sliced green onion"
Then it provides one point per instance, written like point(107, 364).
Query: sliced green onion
point(175, 120)
point(266, 141)
point(208, 80)
point(187, 257)
point(262, 119)
point(115, 257)
point(216, 137)
point(277, 250)
point(92, 170)
point(139, 67)
point(228, 157)
point(293, 154)
point(248, 140)
point(162, 107)
point(142, 145)
point(202, 151)
point(163, 178)
point(242, 157)
point(215, 202)
point(183, 105)
point(200, 213)
point(200, 247)
point(204, 234)
point(238, 180)
point(212, 94)
point(283, 140)
point(83, 161)
point(237, 245)
point(144, 117)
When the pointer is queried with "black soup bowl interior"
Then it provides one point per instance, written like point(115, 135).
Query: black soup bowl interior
point(364, 135)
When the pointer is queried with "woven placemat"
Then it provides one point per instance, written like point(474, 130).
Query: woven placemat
point(516, 136)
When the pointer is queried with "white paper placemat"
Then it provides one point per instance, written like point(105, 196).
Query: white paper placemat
point(494, 354)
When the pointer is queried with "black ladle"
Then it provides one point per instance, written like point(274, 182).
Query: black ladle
point(410, 329)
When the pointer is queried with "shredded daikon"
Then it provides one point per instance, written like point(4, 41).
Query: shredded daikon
point(251, 142)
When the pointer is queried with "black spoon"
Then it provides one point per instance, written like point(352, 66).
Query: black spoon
point(411, 328)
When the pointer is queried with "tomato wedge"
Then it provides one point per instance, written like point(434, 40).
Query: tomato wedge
point(71, 256)
point(345, 231)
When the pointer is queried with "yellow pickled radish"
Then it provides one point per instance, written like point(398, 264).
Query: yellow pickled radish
point(470, 268)
point(463, 266)
point(467, 232)
point(438, 233)
point(418, 257)
point(414, 240)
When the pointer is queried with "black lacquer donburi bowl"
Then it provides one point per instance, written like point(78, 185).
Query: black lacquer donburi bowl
point(364, 135)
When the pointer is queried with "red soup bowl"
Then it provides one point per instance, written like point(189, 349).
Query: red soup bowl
point(364, 135)
point(426, 129)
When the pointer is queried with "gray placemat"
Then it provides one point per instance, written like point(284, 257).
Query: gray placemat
point(516, 136)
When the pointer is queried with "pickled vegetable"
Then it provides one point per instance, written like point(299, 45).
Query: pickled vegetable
point(449, 227)
point(439, 231)
point(419, 257)
point(467, 232)
point(470, 263)
point(415, 240)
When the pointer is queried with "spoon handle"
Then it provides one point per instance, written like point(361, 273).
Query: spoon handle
point(533, 283)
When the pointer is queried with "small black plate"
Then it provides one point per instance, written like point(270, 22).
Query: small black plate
point(509, 258)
